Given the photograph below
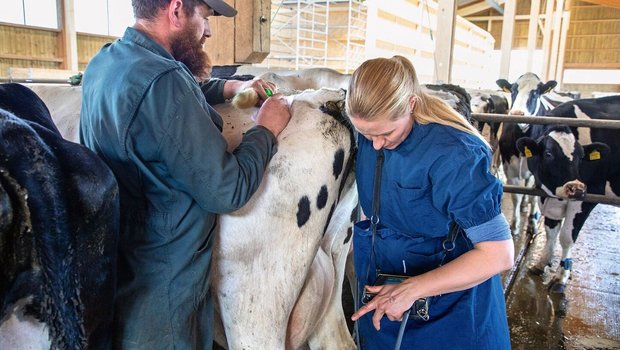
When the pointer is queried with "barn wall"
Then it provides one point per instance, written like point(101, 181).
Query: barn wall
point(24, 47)
point(416, 23)
point(592, 42)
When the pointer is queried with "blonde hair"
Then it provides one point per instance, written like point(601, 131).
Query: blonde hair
point(385, 85)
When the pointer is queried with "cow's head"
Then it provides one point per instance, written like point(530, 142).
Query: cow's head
point(526, 93)
point(557, 161)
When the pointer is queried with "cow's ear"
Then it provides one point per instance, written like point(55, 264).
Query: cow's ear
point(596, 151)
point(491, 104)
point(548, 86)
point(528, 147)
point(504, 84)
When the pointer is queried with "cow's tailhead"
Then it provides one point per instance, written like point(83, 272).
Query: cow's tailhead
point(526, 93)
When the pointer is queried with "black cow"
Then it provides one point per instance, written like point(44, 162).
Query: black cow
point(454, 95)
point(564, 168)
point(530, 97)
point(59, 221)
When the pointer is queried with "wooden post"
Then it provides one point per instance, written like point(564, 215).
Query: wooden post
point(244, 38)
point(510, 8)
point(555, 43)
point(532, 33)
point(547, 39)
point(67, 38)
point(444, 40)
point(559, 76)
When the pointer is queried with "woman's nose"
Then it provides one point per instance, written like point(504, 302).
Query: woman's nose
point(378, 143)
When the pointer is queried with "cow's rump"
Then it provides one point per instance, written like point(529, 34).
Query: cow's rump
point(59, 228)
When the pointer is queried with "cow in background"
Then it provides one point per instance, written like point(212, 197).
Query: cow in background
point(566, 167)
point(493, 102)
point(454, 95)
point(530, 97)
point(59, 221)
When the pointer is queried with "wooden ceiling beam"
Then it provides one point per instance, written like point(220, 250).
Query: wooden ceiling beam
point(475, 8)
point(610, 3)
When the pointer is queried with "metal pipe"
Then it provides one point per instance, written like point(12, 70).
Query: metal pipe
point(591, 123)
point(34, 81)
point(590, 197)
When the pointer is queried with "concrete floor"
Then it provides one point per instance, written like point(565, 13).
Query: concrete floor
point(587, 315)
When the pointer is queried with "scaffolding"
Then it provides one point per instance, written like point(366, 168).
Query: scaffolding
point(299, 34)
point(307, 33)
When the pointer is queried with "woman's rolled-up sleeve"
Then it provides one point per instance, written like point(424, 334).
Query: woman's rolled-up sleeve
point(465, 189)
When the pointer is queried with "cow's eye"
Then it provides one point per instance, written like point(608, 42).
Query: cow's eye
point(548, 154)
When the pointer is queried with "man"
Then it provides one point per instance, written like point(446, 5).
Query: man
point(144, 113)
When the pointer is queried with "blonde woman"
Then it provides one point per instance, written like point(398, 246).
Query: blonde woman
point(435, 177)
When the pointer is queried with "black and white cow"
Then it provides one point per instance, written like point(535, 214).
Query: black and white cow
point(529, 98)
point(59, 221)
point(564, 168)
point(494, 102)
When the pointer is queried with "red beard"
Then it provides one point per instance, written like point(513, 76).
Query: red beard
point(188, 50)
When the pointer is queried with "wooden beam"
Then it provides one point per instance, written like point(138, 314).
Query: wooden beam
point(547, 39)
point(68, 36)
point(532, 33)
point(610, 3)
point(559, 76)
point(444, 40)
point(477, 7)
point(510, 9)
point(555, 42)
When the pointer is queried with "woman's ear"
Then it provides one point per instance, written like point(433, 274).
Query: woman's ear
point(412, 101)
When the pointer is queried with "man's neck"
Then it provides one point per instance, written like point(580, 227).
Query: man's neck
point(154, 30)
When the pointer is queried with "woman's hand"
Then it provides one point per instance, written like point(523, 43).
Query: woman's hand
point(392, 300)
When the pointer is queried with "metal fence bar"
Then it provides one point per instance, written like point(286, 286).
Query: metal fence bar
point(588, 123)
point(593, 198)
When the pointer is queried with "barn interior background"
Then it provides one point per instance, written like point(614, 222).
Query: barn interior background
point(579, 41)
point(467, 42)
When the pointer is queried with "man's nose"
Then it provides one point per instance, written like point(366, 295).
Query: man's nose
point(207, 31)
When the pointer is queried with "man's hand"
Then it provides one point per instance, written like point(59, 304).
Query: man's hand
point(263, 88)
point(274, 114)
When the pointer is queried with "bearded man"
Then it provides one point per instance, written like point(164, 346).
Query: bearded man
point(146, 115)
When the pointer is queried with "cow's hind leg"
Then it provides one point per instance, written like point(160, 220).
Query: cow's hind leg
point(534, 216)
point(332, 331)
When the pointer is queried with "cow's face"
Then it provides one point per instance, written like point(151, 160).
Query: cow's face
point(481, 104)
point(526, 93)
point(556, 160)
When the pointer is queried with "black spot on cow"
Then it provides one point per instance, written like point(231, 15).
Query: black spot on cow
point(321, 199)
point(354, 214)
point(349, 234)
point(303, 211)
point(338, 163)
point(329, 217)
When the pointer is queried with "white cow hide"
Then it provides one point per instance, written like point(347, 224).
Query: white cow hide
point(279, 285)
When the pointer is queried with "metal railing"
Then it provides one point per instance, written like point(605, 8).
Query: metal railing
point(572, 122)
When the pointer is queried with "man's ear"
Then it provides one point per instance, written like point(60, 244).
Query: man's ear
point(174, 10)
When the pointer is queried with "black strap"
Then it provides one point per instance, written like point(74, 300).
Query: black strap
point(374, 218)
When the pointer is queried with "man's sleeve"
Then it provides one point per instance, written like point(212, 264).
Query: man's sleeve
point(194, 152)
point(213, 89)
